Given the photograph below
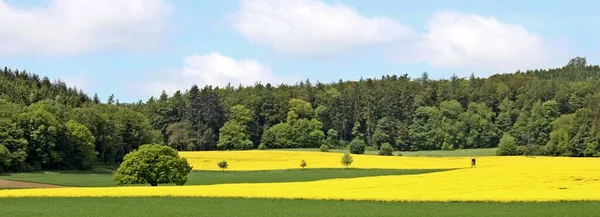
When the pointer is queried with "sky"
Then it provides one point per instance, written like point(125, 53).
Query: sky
point(135, 49)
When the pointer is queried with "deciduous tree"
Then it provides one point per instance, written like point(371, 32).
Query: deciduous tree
point(154, 165)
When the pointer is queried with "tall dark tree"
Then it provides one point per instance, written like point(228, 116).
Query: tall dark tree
point(96, 99)
point(206, 116)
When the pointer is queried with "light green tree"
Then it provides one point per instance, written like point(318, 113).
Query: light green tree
point(507, 145)
point(153, 164)
point(234, 133)
point(347, 160)
point(81, 142)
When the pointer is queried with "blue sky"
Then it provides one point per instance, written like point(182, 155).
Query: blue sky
point(136, 48)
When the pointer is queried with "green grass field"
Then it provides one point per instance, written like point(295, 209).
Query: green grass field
point(174, 206)
point(436, 153)
point(80, 179)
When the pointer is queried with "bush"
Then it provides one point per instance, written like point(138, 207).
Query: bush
point(324, 148)
point(223, 164)
point(589, 152)
point(386, 149)
point(357, 146)
point(262, 146)
point(530, 150)
point(347, 160)
point(542, 150)
point(370, 148)
point(303, 164)
point(245, 145)
point(521, 150)
point(399, 154)
point(343, 144)
point(153, 164)
point(507, 146)
point(331, 140)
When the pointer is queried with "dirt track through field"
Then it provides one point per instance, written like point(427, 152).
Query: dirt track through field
point(18, 184)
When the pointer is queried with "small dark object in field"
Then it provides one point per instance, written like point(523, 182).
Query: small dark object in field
point(473, 163)
point(223, 164)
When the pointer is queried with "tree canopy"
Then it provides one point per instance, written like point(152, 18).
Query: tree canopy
point(546, 111)
point(153, 164)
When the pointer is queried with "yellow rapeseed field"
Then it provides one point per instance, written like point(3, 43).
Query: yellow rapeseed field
point(277, 160)
point(500, 179)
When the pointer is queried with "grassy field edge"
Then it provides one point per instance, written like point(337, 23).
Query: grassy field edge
point(218, 177)
point(192, 206)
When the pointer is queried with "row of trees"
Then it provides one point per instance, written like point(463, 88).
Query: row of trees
point(409, 114)
point(575, 135)
point(22, 87)
point(48, 135)
point(46, 125)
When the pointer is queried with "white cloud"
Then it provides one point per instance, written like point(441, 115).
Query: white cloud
point(216, 69)
point(451, 40)
point(69, 27)
point(483, 44)
point(80, 80)
point(212, 69)
point(311, 27)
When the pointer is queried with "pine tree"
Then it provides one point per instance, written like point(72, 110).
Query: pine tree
point(96, 99)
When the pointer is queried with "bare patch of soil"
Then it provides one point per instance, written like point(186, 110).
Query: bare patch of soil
point(7, 184)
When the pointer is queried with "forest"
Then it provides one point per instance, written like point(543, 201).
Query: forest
point(47, 125)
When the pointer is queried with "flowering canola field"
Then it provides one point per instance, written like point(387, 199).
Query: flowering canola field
point(277, 160)
point(502, 179)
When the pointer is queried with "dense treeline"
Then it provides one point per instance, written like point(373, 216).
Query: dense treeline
point(45, 125)
point(531, 108)
point(48, 135)
point(26, 88)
